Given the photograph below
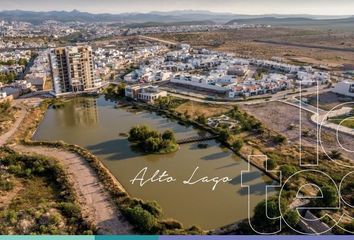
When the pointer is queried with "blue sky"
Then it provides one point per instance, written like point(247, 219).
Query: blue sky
point(318, 7)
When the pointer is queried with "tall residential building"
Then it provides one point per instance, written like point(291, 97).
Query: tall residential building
point(72, 69)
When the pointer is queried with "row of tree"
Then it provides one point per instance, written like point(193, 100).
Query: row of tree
point(7, 77)
point(21, 61)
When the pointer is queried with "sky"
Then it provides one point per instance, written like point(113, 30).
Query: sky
point(315, 7)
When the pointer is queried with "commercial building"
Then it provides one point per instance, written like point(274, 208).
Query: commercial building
point(72, 69)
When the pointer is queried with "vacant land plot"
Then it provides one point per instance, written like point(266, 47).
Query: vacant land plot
point(242, 42)
point(36, 197)
point(286, 120)
point(329, 100)
point(8, 115)
point(194, 109)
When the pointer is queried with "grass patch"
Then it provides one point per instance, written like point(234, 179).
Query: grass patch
point(344, 120)
point(195, 109)
point(36, 206)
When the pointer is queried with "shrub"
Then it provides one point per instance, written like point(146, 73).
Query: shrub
point(168, 135)
point(237, 144)
point(5, 106)
point(141, 218)
point(152, 207)
point(335, 154)
point(269, 207)
point(270, 164)
point(292, 218)
point(171, 224)
point(288, 170)
point(70, 210)
point(279, 139)
point(330, 197)
point(201, 119)
point(6, 184)
point(224, 135)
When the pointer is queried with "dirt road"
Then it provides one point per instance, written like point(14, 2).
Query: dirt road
point(6, 136)
point(96, 202)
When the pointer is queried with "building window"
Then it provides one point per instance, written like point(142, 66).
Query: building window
point(351, 88)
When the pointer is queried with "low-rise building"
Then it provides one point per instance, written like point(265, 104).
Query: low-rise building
point(344, 88)
point(3, 95)
point(147, 93)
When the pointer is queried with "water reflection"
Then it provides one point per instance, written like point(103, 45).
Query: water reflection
point(86, 113)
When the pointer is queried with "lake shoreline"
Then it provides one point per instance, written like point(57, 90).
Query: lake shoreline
point(116, 190)
point(171, 120)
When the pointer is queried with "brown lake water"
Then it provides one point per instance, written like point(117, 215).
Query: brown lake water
point(95, 124)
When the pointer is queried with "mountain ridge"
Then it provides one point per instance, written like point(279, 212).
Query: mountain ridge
point(155, 16)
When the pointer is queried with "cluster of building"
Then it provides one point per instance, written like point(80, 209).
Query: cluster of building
point(108, 59)
point(92, 30)
point(18, 43)
point(26, 29)
point(224, 73)
point(189, 28)
point(14, 90)
point(13, 61)
point(39, 73)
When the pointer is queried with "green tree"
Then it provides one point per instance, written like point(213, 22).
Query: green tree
point(23, 62)
point(288, 170)
point(279, 139)
point(224, 135)
point(292, 217)
point(329, 198)
point(237, 144)
point(335, 154)
point(5, 106)
point(168, 135)
point(142, 218)
point(202, 119)
point(151, 145)
point(270, 164)
point(263, 208)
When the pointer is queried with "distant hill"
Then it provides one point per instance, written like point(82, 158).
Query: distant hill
point(157, 24)
point(295, 21)
point(157, 17)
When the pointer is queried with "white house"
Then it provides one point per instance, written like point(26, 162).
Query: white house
point(3, 95)
point(344, 88)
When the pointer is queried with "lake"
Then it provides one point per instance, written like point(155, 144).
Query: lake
point(95, 123)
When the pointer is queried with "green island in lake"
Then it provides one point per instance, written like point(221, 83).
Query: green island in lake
point(151, 141)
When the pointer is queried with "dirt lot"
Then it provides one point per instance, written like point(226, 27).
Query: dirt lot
point(195, 109)
point(241, 42)
point(329, 100)
point(285, 119)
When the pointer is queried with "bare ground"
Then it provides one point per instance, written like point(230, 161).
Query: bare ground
point(285, 119)
point(6, 197)
point(20, 115)
point(242, 42)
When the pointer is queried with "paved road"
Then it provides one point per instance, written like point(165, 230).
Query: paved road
point(280, 96)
